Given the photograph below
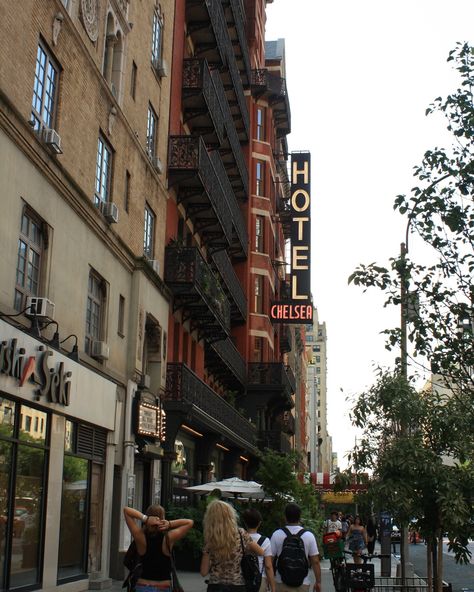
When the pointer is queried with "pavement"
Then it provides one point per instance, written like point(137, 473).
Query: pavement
point(194, 582)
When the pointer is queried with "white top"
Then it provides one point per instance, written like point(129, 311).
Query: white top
point(332, 525)
point(310, 545)
point(267, 550)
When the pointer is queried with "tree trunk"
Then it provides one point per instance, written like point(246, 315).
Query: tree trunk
point(429, 564)
point(439, 587)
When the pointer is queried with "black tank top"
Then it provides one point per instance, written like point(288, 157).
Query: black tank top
point(156, 565)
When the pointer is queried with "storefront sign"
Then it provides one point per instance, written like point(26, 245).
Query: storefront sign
point(54, 383)
point(150, 420)
point(298, 309)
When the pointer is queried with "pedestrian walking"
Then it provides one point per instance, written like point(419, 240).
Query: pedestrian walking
point(295, 551)
point(252, 520)
point(371, 535)
point(224, 546)
point(333, 524)
point(154, 539)
point(357, 537)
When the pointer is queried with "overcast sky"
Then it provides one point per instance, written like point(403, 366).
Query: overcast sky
point(360, 75)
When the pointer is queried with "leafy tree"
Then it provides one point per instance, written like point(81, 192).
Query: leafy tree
point(420, 445)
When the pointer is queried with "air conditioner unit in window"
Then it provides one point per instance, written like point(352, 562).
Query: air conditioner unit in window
point(155, 265)
point(110, 212)
point(40, 308)
point(157, 164)
point(161, 68)
point(52, 139)
point(100, 350)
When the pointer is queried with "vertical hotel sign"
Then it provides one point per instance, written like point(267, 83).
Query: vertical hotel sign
point(299, 308)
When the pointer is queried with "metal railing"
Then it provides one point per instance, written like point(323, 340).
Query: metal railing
point(187, 272)
point(232, 135)
point(237, 218)
point(270, 375)
point(234, 287)
point(187, 153)
point(232, 358)
point(182, 384)
point(197, 77)
point(276, 440)
point(239, 20)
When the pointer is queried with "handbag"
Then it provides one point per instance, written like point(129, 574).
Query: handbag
point(175, 583)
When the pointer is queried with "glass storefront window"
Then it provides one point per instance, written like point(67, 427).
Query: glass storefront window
point(23, 459)
point(5, 469)
point(32, 425)
point(72, 539)
point(25, 560)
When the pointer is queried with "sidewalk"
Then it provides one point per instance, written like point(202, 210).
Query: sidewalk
point(193, 582)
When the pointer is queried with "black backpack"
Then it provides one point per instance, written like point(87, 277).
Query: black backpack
point(292, 563)
point(250, 568)
point(133, 562)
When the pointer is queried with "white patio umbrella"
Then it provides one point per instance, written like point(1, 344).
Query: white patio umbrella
point(233, 485)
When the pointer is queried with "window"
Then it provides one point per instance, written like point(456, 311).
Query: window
point(121, 316)
point(260, 124)
point(30, 252)
point(259, 178)
point(128, 179)
point(259, 293)
point(258, 349)
point(103, 171)
point(149, 233)
point(45, 90)
point(318, 359)
point(318, 369)
point(151, 127)
point(259, 234)
point(133, 80)
point(156, 42)
point(95, 310)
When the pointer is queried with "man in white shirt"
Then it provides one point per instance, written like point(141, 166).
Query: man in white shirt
point(252, 520)
point(333, 524)
point(293, 517)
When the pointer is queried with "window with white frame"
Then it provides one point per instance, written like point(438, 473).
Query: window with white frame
point(95, 310)
point(259, 234)
point(45, 90)
point(103, 172)
point(149, 233)
point(258, 294)
point(259, 178)
point(151, 132)
point(261, 124)
point(30, 255)
point(157, 39)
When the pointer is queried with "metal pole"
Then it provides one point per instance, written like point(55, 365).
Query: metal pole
point(404, 549)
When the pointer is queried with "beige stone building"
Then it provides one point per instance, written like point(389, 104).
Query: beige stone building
point(84, 105)
point(320, 442)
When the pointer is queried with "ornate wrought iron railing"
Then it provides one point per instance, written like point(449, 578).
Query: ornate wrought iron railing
point(182, 384)
point(237, 218)
point(291, 378)
point(238, 86)
point(231, 132)
point(268, 374)
point(187, 153)
point(234, 287)
point(197, 77)
point(240, 20)
point(232, 358)
point(276, 440)
point(186, 272)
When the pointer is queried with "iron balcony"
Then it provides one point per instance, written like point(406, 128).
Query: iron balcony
point(187, 394)
point(275, 440)
point(197, 292)
point(274, 380)
point(225, 362)
point(199, 187)
point(232, 286)
point(273, 88)
point(207, 27)
point(235, 16)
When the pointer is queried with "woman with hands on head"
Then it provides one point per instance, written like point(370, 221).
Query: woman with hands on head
point(154, 538)
point(224, 545)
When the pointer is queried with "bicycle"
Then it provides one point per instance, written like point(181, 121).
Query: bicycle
point(355, 577)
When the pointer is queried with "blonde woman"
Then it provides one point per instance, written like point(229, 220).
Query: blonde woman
point(222, 552)
point(154, 538)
